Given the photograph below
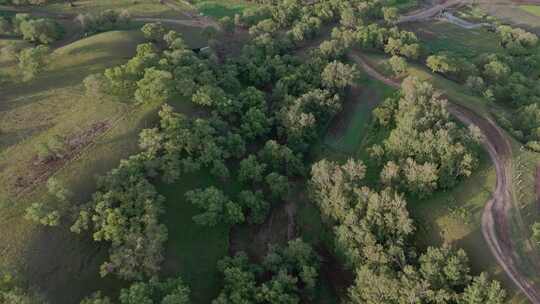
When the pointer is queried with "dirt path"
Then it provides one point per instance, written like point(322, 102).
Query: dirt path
point(431, 12)
point(495, 217)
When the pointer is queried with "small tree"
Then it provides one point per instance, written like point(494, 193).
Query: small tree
point(153, 31)
point(217, 207)
point(398, 65)
point(32, 61)
point(390, 14)
point(156, 87)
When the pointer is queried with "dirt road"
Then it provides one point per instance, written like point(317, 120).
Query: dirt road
point(431, 12)
point(495, 217)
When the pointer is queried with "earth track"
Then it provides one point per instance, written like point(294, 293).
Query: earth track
point(495, 217)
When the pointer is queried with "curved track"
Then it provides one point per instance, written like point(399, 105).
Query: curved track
point(495, 217)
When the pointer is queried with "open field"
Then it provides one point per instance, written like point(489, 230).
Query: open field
point(139, 8)
point(219, 9)
point(439, 36)
point(533, 9)
point(511, 12)
point(193, 250)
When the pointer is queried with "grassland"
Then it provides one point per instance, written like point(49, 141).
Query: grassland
point(347, 132)
point(193, 250)
point(532, 9)
point(55, 104)
point(439, 36)
point(138, 8)
point(219, 9)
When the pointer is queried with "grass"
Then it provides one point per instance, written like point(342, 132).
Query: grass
point(349, 135)
point(532, 9)
point(452, 90)
point(137, 8)
point(437, 36)
point(54, 103)
point(193, 250)
point(222, 8)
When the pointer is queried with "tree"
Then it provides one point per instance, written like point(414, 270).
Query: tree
point(216, 206)
point(32, 61)
point(5, 26)
point(481, 291)
point(398, 65)
point(278, 185)
point(337, 75)
point(170, 291)
point(255, 203)
point(390, 14)
point(125, 212)
point(43, 31)
point(153, 31)
point(156, 87)
point(332, 186)
point(251, 170)
point(49, 211)
point(441, 63)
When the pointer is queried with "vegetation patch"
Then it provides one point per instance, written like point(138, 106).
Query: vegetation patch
point(219, 9)
point(532, 9)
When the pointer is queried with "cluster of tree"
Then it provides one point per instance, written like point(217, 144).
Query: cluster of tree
point(287, 275)
point(31, 62)
point(425, 150)
point(125, 212)
point(169, 291)
point(509, 78)
point(373, 231)
point(12, 292)
point(38, 30)
point(104, 21)
point(55, 205)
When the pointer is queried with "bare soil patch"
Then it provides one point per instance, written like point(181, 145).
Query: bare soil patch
point(38, 171)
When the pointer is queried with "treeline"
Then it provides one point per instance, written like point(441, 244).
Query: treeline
point(425, 150)
point(37, 30)
point(509, 78)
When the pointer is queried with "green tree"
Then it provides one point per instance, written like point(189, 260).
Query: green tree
point(32, 61)
point(153, 31)
point(390, 14)
point(337, 75)
point(156, 87)
point(278, 185)
point(251, 170)
point(482, 291)
point(216, 206)
point(398, 65)
point(255, 203)
point(43, 31)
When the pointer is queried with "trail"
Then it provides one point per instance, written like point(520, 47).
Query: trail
point(495, 217)
point(431, 12)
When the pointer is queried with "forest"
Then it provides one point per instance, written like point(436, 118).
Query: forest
point(239, 122)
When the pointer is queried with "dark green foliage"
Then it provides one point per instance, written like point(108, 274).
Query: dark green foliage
point(50, 211)
point(432, 150)
point(170, 291)
point(287, 275)
point(125, 212)
point(217, 208)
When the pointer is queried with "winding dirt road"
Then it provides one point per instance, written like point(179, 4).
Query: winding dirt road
point(495, 217)
point(431, 12)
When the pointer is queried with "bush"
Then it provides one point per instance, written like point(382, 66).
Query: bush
point(32, 61)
